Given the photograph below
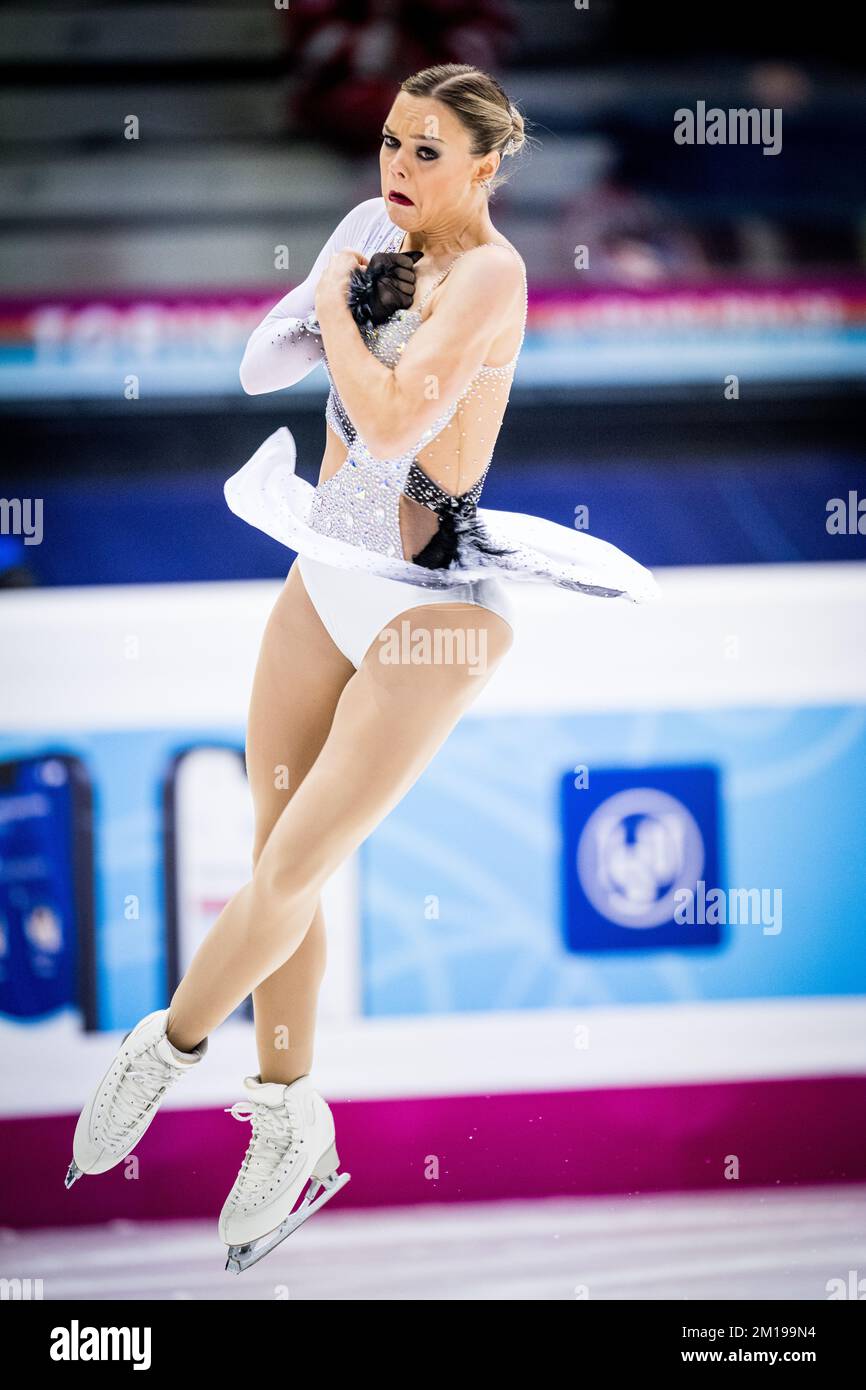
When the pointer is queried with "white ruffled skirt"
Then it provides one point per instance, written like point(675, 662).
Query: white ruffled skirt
point(268, 494)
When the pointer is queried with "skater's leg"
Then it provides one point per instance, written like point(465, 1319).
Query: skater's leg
point(389, 722)
point(299, 677)
point(285, 1008)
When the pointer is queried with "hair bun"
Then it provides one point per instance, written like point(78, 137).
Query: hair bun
point(517, 138)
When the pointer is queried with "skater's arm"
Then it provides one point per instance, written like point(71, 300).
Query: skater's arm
point(281, 351)
point(391, 408)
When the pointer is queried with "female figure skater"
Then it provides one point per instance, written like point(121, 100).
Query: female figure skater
point(417, 307)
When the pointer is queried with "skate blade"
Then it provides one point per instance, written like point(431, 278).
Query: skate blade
point(73, 1173)
point(240, 1257)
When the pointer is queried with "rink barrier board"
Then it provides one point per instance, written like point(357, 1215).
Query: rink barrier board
point(470, 1148)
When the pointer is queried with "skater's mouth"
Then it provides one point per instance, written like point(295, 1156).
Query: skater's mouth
point(400, 198)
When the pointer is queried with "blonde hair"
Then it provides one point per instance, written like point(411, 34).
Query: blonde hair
point(481, 105)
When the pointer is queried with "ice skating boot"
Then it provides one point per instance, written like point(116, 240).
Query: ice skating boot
point(291, 1154)
point(128, 1096)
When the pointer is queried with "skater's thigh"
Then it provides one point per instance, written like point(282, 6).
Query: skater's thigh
point(300, 675)
point(391, 718)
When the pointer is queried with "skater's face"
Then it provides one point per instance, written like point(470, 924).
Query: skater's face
point(426, 157)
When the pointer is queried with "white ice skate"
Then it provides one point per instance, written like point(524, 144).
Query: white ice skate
point(128, 1096)
point(292, 1149)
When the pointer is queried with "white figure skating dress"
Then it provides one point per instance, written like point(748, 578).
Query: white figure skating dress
point(347, 530)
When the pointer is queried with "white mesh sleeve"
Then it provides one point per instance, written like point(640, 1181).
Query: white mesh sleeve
point(282, 349)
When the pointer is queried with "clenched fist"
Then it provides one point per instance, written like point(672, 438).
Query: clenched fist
point(387, 284)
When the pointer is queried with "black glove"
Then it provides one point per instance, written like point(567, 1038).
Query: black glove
point(387, 283)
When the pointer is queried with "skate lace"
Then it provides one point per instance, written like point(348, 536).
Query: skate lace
point(143, 1084)
point(273, 1133)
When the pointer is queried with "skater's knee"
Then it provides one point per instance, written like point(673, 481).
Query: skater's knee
point(264, 826)
point(259, 842)
point(279, 883)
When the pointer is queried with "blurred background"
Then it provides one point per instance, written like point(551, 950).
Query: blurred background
point(546, 1086)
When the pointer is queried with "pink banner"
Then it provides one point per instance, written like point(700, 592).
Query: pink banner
point(488, 1148)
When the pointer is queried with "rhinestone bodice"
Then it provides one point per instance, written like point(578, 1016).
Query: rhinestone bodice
point(361, 502)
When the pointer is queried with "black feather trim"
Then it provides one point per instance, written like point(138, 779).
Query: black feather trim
point(460, 539)
point(360, 296)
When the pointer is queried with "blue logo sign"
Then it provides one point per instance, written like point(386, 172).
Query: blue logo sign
point(634, 838)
